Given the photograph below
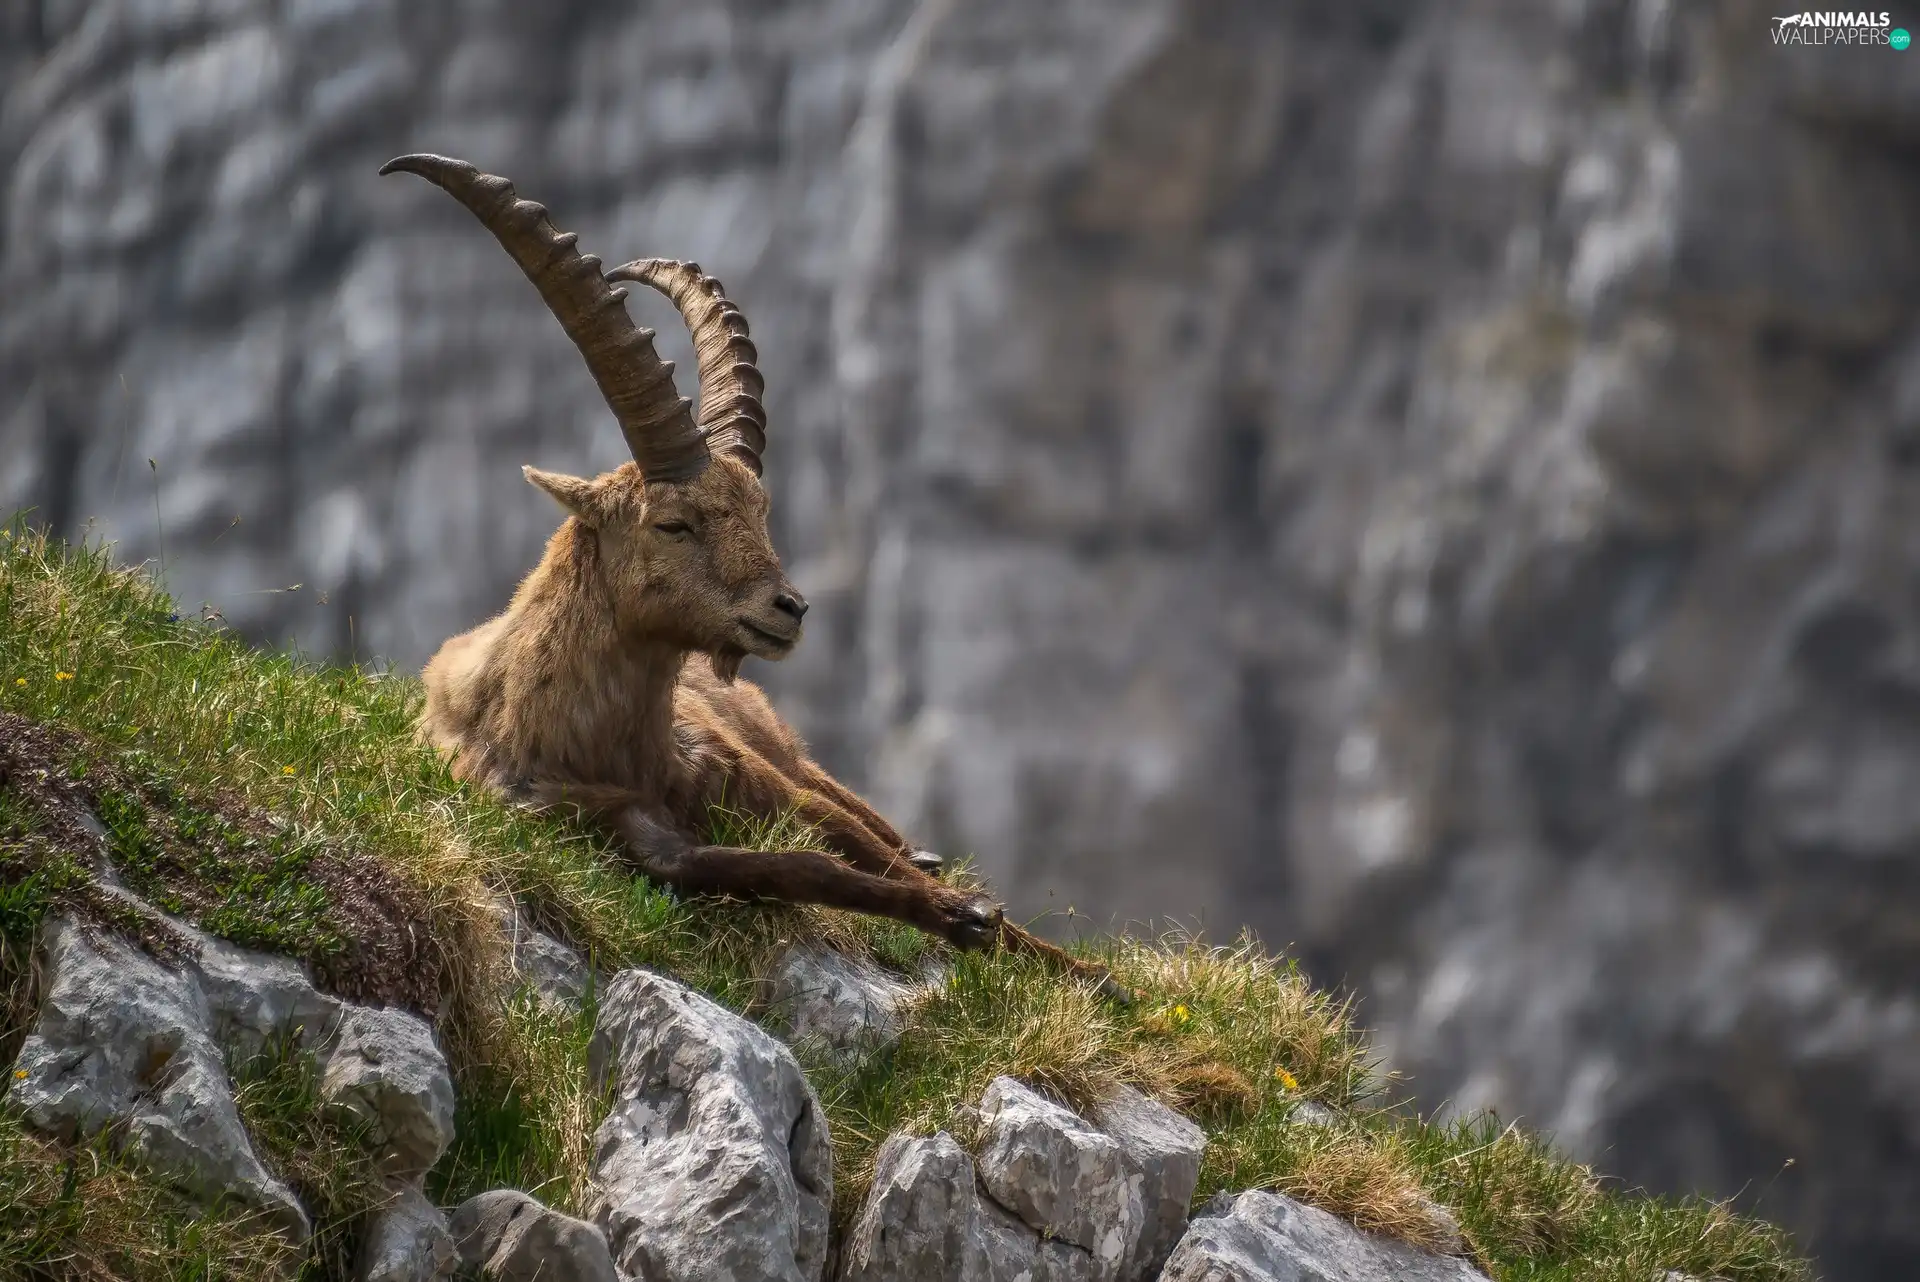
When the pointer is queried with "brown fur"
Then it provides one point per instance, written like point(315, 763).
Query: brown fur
point(610, 683)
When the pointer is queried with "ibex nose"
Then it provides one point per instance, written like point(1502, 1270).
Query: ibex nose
point(793, 603)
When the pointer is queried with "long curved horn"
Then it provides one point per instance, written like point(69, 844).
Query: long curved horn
point(638, 386)
point(730, 384)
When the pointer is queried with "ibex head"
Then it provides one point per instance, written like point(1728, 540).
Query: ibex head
point(679, 534)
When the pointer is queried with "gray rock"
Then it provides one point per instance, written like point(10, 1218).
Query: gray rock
point(383, 1067)
point(257, 997)
point(121, 1038)
point(124, 1038)
point(1265, 1237)
point(926, 1219)
point(921, 1219)
point(1219, 1204)
point(507, 1236)
point(1062, 1177)
point(1164, 1149)
point(1452, 1240)
point(1007, 1250)
point(554, 970)
point(406, 1240)
point(713, 1123)
point(830, 1001)
point(1310, 1112)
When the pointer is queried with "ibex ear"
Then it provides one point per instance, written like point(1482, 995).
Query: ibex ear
point(574, 493)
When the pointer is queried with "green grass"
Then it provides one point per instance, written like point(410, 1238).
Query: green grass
point(253, 789)
point(322, 1155)
point(260, 896)
point(526, 1125)
point(86, 1213)
point(29, 890)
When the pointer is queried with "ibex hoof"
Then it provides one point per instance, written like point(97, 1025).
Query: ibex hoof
point(926, 861)
point(974, 925)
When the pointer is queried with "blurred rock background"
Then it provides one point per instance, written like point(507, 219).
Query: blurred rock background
point(1438, 484)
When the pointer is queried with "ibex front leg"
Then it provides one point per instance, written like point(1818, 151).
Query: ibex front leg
point(805, 877)
point(869, 842)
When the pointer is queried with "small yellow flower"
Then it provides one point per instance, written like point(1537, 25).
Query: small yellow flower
point(1287, 1080)
point(19, 1074)
point(1180, 1013)
point(20, 681)
point(63, 676)
point(286, 770)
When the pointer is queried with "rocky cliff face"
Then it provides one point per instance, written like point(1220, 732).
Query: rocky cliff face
point(1433, 483)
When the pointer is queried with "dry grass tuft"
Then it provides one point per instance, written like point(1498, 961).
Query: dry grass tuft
point(1207, 1088)
point(1365, 1179)
point(1225, 1029)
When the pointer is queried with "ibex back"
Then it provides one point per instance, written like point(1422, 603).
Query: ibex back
point(610, 681)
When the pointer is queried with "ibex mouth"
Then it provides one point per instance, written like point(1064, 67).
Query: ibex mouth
point(768, 644)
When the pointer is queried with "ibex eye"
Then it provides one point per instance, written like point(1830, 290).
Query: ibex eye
point(673, 527)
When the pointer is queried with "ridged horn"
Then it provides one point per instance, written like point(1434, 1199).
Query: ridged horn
point(731, 414)
point(638, 386)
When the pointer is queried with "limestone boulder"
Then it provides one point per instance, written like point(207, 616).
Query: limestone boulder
point(1313, 1113)
point(406, 1240)
point(921, 1219)
point(1060, 1175)
point(553, 969)
point(123, 1039)
point(508, 1236)
point(1164, 1150)
point(383, 1067)
point(255, 998)
point(1010, 1250)
point(844, 1007)
point(714, 1161)
point(1267, 1237)
point(926, 1218)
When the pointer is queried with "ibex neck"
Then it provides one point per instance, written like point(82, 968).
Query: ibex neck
point(586, 703)
point(608, 710)
point(611, 695)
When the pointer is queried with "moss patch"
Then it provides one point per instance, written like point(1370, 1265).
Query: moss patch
point(230, 868)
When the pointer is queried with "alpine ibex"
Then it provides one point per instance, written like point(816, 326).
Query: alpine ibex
point(610, 680)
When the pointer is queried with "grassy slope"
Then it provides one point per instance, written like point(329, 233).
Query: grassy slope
point(203, 722)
